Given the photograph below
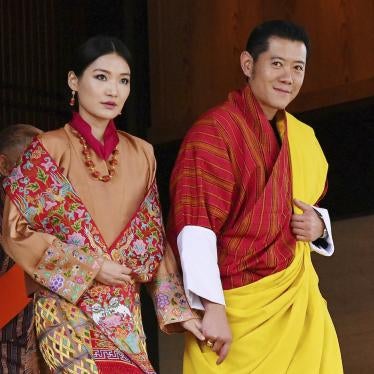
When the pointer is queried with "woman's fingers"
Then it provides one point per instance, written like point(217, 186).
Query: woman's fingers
point(126, 270)
point(194, 326)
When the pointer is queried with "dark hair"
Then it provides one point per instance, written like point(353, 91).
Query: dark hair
point(96, 47)
point(17, 135)
point(258, 41)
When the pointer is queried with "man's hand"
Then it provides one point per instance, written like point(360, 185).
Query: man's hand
point(194, 327)
point(216, 329)
point(308, 226)
point(113, 274)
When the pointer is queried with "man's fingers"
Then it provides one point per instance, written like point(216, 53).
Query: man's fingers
point(300, 204)
point(217, 346)
point(301, 235)
point(297, 231)
point(223, 353)
point(302, 238)
point(297, 225)
point(297, 218)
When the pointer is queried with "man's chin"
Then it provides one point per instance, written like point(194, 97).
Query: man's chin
point(282, 105)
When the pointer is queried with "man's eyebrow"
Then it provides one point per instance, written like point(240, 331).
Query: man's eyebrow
point(283, 59)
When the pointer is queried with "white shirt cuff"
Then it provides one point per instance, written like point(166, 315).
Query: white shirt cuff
point(329, 250)
point(198, 253)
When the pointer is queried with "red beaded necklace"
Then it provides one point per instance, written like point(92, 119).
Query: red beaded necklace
point(113, 162)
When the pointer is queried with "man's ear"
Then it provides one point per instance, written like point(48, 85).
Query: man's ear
point(3, 164)
point(246, 63)
point(72, 81)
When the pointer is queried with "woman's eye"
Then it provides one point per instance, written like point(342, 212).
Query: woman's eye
point(100, 77)
point(277, 64)
point(299, 68)
point(125, 81)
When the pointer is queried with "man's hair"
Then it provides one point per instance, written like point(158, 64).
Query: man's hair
point(17, 135)
point(258, 41)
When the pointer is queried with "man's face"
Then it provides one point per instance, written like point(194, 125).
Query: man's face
point(278, 74)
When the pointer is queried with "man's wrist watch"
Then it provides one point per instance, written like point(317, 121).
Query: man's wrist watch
point(325, 233)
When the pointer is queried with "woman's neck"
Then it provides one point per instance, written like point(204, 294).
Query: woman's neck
point(98, 131)
point(97, 125)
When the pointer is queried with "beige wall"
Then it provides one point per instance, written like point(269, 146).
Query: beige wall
point(195, 47)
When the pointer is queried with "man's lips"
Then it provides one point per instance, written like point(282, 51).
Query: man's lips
point(282, 90)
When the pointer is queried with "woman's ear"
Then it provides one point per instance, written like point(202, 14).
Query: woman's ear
point(72, 81)
point(246, 63)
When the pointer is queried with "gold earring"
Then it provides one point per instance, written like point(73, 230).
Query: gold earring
point(72, 99)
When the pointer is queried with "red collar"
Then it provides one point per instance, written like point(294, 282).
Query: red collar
point(110, 136)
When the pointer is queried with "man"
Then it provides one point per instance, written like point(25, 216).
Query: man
point(16, 310)
point(243, 220)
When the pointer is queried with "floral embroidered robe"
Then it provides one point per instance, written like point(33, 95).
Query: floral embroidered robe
point(101, 324)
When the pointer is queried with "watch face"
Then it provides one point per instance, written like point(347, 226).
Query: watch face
point(325, 233)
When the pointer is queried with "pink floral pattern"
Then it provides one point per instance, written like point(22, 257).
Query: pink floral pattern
point(65, 271)
point(170, 301)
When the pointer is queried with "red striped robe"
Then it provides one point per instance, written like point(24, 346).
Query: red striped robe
point(231, 176)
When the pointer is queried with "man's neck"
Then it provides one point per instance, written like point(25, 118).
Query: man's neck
point(273, 123)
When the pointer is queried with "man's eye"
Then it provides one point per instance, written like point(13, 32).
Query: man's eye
point(277, 64)
point(299, 67)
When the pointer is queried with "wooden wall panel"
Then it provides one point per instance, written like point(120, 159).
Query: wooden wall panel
point(195, 48)
point(192, 49)
point(37, 39)
point(35, 46)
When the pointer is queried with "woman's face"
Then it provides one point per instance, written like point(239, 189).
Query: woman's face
point(102, 89)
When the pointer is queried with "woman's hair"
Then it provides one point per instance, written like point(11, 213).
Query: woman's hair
point(16, 136)
point(258, 41)
point(96, 47)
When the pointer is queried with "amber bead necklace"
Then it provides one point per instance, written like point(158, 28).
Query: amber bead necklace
point(86, 151)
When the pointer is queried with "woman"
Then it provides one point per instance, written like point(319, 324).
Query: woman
point(82, 217)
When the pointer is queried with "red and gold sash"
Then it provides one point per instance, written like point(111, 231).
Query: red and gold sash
point(49, 203)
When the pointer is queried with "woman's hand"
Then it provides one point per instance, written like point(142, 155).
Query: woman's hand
point(113, 274)
point(194, 327)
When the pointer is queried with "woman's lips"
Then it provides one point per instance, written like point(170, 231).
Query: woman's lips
point(109, 104)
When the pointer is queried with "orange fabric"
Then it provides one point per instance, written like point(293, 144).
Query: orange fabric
point(12, 294)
